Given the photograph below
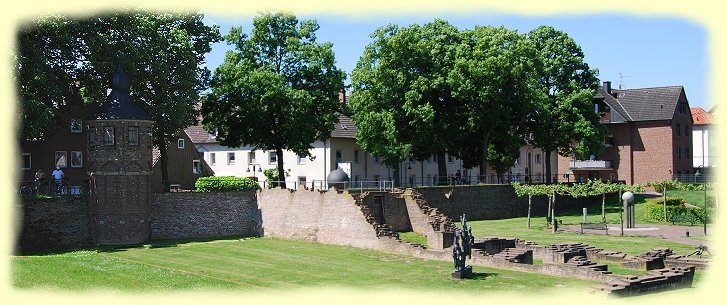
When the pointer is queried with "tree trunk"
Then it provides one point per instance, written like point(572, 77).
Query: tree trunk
point(164, 161)
point(549, 205)
point(530, 204)
point(547, 166)
point(664, 191)
point(483, 160)
point(552, 217)
point(603, 208)
point(397, 178)
point(281, 172)
point(441, 168)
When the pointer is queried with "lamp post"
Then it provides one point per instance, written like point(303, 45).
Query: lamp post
point(697, 174)
point(254, 165)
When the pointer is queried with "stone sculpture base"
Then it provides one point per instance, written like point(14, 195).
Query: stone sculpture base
point(464, 274)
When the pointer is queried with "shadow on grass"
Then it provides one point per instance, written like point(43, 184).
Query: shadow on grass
point(482, 275)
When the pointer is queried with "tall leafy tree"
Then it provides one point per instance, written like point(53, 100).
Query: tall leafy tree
point(564, 122)
point(278, 90)
point(162, 52)
point(401, 100)
point(493, 74)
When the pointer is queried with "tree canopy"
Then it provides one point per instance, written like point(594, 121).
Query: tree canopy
point(564, 121)
point(163, 53)
point(278, 90)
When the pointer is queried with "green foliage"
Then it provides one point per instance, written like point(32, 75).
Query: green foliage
point(278, 90)
point(654, 208)
point(566, 116)
point(660, 186)
point(272, 177)
point(225, 184)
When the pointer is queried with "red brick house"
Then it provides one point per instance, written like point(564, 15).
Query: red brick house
point(649, 136)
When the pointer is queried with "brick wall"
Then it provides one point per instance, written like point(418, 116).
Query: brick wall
point(323, 217)
point(53, 224)
point(202, 215)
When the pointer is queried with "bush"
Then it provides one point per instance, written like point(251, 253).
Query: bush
point(674, 206)
point(225, 184)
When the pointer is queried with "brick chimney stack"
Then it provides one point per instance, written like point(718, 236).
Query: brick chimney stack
point(342, 98)
point(607, 87)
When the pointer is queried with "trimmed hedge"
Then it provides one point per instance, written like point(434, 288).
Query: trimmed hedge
point(674, 206)
point(225, 184)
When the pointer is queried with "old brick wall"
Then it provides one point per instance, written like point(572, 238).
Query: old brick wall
point(653, 151)
point(203, 215)
point(485, 202)
point(53, 224)
point(324, 217)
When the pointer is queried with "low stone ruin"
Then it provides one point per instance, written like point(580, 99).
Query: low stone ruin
point(661, 279)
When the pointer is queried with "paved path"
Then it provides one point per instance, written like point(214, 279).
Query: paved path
point(671, 233)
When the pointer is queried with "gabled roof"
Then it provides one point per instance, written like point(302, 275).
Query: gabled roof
point(701, 117)
point(344, 128)
point(198, 135)
point(644, 104)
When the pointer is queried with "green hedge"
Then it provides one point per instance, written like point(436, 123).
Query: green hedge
point(225, 184)
point(674, 206)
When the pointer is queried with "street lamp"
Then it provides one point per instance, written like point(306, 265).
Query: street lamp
point(254, 165)
point(697, 174)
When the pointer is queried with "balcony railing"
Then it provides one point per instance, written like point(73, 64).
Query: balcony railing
point(591, 164)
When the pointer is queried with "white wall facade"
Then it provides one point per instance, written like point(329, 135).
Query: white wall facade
point(703, 142)
point(364, 167)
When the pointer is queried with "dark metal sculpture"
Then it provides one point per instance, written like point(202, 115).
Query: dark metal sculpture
point(462, 248)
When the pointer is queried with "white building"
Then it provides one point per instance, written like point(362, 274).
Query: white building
point(341, 148)
point(703, 139)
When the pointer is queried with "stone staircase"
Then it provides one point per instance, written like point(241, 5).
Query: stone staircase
point(514, 255)
point(583, 262)
point(382, 229)
point(655, 280)
point(437, 220)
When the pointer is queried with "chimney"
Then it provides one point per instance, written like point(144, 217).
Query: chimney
point(607, 87)
point(342, 97)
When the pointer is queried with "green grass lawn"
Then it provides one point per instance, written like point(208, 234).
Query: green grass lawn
point(413, 237)
point(263, 263)
point(692, 197)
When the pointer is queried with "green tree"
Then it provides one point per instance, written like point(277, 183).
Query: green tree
point(493, 74)
point(531, 190)
point(564, 121)
point(278, 90)
point(163, 53)
point(401, 100)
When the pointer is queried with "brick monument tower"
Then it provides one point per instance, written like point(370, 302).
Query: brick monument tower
point(120, 156)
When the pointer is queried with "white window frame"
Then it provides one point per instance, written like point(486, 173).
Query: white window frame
point(30, 161)
point(231, 161)
point(272, 157)
point(213, 159)
point(303, 182)
point(196, 167)
point(251, 157)
point(302, 159)
point(180, 143)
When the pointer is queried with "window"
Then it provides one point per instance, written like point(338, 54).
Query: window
point(537, 158)
point(92, 136)
point(355, 156)
point(251, 157)
point(679, 130)
point(339, 155)
point(133, 136)
point(196, 167)
point(450, 159)
point(61, 159)
point(180, 143)
point(272, 157)
point(76, 126)
point(76, 159)
point(213, 159)
point(109, 136)
point(375, 160)
point(301, 180)
point(679, 152)
point(301, 159)
point(230, 158)
point(27, 161)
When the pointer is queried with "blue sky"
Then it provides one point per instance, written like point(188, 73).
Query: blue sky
point(634, 51)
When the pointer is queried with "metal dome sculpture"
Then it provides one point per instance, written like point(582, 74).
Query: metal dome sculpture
point(337, 179)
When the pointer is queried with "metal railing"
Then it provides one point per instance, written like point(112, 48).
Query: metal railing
point(49, 188)
point(687, 178)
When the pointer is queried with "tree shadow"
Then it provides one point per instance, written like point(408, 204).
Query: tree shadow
point(482, 275)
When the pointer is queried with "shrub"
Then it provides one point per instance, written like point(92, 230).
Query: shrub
point(225, 184)
point(674, 206)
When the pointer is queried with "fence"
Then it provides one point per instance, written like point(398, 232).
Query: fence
point(686, 178)
point(48, 187)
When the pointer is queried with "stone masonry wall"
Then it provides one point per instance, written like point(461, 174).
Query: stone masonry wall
point(53, 224)
point(488, 202)
point(323, 217)
point(203, 215)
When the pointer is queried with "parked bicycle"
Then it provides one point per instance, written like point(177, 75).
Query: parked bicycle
point(38, 187)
